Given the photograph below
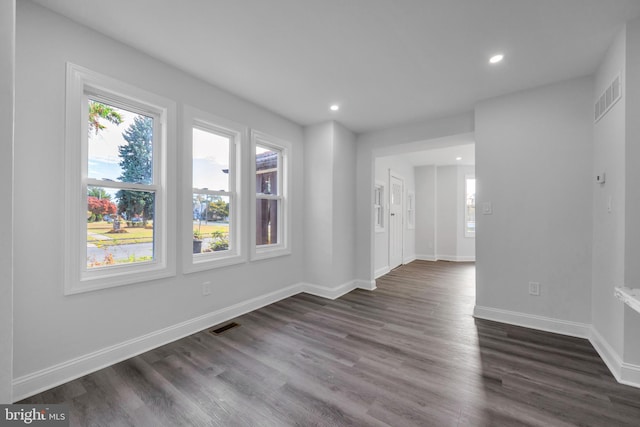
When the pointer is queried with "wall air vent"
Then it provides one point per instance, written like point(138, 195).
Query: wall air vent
point(609, 97)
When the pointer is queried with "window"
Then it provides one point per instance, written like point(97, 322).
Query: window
point(411, 210)
point(378, 206)
point(116, 189)
point(212, 202)
point(272, 207)
point(469, 206)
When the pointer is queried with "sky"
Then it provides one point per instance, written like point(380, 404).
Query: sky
point(210, 155)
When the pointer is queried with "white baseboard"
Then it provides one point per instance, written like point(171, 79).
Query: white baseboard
point(329, 293)
point(61, 373)
point(409, 259)
point(368, 285)
point(381, 271)
point(624, 373)
point(453, 258)
point(456, 258)
point(630, 375)
point(564, 327)
point(610, 357)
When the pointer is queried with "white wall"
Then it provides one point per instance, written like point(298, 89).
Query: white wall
point(7, 63)
point(344, 209)
point(447, 205)
point(330, 219)
point(440, 197)
point(534, 164)
point(425, 177)
point(318, 161)
point(402, 169)
point(609, 227)
point(632, 193)
point(51, 328)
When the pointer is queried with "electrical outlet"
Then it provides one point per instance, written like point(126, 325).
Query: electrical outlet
point(206, 288)
point(534, 288)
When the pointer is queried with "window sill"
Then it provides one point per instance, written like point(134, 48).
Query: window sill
point(266, 253)
point(203, 263)
point(114, 279)
point(629, 296)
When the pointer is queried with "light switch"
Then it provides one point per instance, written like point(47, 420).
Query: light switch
point(487, 209)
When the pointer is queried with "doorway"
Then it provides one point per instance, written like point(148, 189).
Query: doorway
point(396, 221)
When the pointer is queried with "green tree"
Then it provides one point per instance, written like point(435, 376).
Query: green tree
point(219, 209)
point(98, 111)
point(136, 162)
point(99, 193)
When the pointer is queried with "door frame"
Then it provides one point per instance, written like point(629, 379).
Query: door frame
point(392, 175)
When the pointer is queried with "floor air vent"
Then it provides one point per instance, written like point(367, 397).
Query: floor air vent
point(225, 328)
point(609, 97)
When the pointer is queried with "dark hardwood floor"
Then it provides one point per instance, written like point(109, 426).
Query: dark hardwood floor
point(408, 354)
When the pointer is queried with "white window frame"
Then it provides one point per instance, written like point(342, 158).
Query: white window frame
point(237, 134)
point(283, 247)
point(411, 210)
point(467, 233)
point(378, 208)
point(81, 83)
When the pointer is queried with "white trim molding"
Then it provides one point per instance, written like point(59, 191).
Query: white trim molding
point(409, 259)
point(624, 373)
point(329, 293)
point(83, 85)
point(381, 271)
point(455, 258)
point(629, 296)
point(368, 285)
point(452, 258)
point(548, 324)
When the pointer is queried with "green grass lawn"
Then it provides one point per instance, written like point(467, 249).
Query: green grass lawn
point(132, 235)
point(137, 234)
point(207, 229)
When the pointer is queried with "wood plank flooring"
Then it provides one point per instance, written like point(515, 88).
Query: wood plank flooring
point(408, 354)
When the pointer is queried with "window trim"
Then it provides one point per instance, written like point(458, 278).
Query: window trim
point(379, 226)
point(467, 234)
point(411, 210)
point(237, 134)
point(80, 82)
point(283, 247)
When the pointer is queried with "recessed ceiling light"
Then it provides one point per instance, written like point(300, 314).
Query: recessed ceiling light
point(458, 158)
point(334, 107)
point(496, 58)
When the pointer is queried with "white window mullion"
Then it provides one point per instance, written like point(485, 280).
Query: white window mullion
point(122, 185)
point(268, 196)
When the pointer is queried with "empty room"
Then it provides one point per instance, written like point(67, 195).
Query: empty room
point(282, 212)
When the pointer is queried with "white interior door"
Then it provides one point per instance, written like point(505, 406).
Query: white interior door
point(395, 222)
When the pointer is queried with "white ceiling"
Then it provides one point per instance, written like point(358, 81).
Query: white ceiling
point(386, 62)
